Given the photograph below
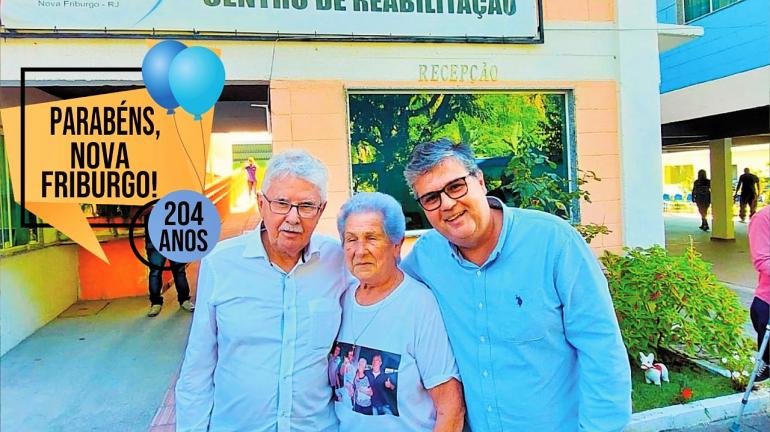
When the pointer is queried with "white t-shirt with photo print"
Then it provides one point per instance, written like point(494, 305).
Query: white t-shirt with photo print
point(405, 327)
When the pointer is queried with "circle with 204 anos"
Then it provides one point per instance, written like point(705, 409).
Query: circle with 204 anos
point(184, 226)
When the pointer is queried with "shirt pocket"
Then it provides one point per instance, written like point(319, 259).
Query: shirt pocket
point(248, 321)
point(322, 323)
point(522, 318)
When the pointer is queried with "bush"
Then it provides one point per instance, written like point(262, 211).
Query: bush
point(675, 303)
point(531, 180)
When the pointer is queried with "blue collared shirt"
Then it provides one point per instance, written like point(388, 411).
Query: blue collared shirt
point(257, 353)
point(533, 329)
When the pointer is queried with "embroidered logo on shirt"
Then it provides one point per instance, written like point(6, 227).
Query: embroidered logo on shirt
point(519, 301)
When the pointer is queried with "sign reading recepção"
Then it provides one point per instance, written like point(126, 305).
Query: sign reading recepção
point(512, 21)
point(457, 72)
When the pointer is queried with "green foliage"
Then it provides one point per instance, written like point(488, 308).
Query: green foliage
point(521, 132)
point(675, 303)
point(531, 179)
point(385, 128)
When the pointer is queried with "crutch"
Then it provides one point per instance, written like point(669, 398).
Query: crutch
point(736, 426)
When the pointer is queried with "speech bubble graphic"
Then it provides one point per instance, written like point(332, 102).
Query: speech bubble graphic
point(117, 148)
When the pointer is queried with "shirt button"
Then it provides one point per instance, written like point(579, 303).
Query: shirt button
point(482, 339)
point(489, 408)
point(481, 305)
point(478, 273)
point(485, 373)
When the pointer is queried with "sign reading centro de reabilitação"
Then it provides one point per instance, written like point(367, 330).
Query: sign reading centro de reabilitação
point(434, 20)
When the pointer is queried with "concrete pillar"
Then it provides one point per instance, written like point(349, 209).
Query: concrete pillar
point(639, 121)
point(722, 189)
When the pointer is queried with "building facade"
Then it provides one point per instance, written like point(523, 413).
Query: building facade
point(715, 92)
point(587, 70)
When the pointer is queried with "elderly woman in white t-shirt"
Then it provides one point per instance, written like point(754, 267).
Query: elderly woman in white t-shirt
point(406, 379)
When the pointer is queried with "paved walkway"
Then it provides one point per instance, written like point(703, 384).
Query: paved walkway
point(103, 372)
point(753, 423)
point(106, 371)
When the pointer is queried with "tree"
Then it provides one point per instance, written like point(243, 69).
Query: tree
point(385, 128)
point(517, 139)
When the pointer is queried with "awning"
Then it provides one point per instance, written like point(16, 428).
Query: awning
point(671, 36)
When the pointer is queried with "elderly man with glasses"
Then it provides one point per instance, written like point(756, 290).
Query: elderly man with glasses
point(268, 312)
point(525, 304)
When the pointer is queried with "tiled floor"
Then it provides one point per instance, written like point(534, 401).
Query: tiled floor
point(164, 420)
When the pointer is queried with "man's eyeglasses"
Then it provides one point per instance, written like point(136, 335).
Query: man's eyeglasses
point(455, 189)
point(304, 210)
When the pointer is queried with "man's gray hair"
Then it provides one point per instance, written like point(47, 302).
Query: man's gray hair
point(393, 221)
point(297, 163)
point(427, 156)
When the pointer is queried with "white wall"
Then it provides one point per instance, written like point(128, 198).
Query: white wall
point(573, 51)
point(31, 294)
point(745, 90)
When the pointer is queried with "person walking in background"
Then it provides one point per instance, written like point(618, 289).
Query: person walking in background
point(251, 178)
point(759, 243)
point(701, 196)
point(155, 281)
point(748, 184)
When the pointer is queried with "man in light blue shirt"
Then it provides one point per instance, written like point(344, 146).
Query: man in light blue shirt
point(525, 304)
point(268, 312)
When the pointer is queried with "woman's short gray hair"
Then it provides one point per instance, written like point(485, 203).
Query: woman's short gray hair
point(393, 221)
point(427, 156)
point(296, 163)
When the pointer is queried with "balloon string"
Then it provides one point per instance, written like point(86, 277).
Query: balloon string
point(205, 157)
point(188, 154)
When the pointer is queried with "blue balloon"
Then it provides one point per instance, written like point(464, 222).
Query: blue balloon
point(155, 69)
point(197, 77)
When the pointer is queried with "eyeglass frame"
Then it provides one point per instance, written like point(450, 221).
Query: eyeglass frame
point(291, 206)
point(444, 191)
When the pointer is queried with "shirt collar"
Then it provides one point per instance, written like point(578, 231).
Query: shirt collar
point(496, 204)
point(256, 249)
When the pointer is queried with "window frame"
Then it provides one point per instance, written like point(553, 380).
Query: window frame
point(681, 10)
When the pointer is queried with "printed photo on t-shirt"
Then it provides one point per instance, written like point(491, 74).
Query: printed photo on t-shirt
point(364, 379)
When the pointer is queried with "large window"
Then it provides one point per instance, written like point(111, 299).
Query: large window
point(501, 127)
point(694, 9)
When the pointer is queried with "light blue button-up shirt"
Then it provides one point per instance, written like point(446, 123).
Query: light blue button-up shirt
point(257, 354)
point(533, 328)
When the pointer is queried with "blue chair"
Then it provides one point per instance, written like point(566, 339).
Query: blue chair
point(666, 197)
point(678, 197)
point(689, 197)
